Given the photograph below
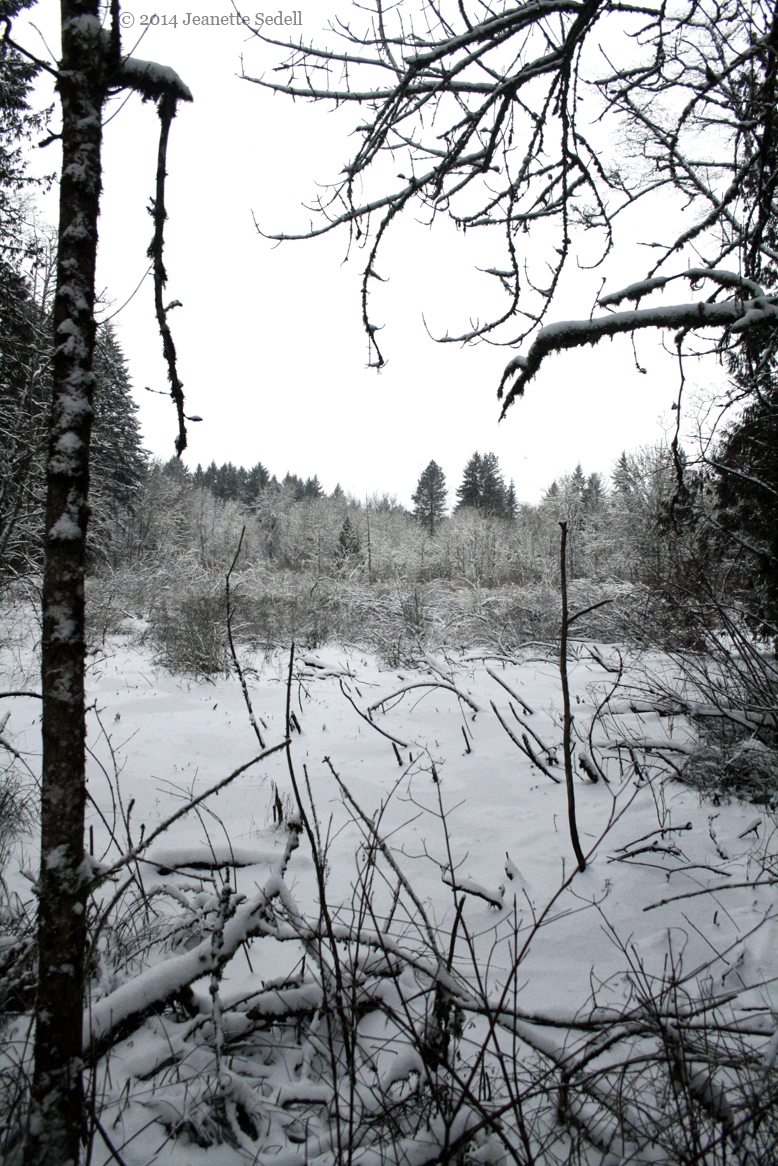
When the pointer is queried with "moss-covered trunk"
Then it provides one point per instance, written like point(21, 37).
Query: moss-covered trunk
point(56, 1123)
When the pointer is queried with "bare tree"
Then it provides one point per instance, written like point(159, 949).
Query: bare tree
point(504, 117)
point(91, 69)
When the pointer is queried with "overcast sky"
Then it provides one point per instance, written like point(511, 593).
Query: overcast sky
point(271, 348)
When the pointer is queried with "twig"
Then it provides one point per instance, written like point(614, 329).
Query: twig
point(395, 740)
point(389, 858)
point(468, 887)
point(426, 684)
point(519, 699)
point(713, 891)
point(548, 750)
point(234, 654)
point(132, 854)
point(526, 748)
point(167, 111)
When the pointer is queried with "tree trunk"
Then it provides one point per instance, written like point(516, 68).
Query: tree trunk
point(56, 1123)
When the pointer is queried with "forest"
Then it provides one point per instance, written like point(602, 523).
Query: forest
point(263, 748)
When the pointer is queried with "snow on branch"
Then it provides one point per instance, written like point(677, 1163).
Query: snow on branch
point(718, 275)
point(470, 887)
point(732, 315)
point(151, 80)
point(480, 118)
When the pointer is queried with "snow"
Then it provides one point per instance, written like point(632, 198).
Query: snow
point(65, 528)
point(153, 79)
point(634, 292)
point(505, 839)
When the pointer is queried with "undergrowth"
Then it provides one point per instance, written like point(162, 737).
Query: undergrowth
point(393, 1036)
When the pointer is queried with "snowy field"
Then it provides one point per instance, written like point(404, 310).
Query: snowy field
point(472, 892)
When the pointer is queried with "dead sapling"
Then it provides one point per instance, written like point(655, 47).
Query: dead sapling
point(567, 716)
point(233, 653)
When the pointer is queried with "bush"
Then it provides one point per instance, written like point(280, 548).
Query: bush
point(190, 634)
point(745, 769)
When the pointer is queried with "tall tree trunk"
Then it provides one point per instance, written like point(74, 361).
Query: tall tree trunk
point(57, 1113)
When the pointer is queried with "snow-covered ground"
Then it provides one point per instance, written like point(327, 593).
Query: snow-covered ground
point(465, 816)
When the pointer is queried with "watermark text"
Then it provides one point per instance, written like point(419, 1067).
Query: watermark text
point(293, 19)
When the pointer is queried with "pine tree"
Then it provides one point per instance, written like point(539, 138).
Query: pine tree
point(747, 494)
point(312, 488)
point(469, 492)
point(25, 349)
point(257, 480)
point(595, 494)
point(118, 460)
point(494, 495)
point(512, 505)
point(483, 486)
point(349, 545)
point(18, 125)
point(429, 500)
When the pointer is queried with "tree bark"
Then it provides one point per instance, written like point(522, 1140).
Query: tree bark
point(56, 1122)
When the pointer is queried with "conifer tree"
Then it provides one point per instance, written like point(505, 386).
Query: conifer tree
point(483, 487)
point(746, 466)
point(349, 545)
point(494, 495)
point(512, 505)
point(469, 492)
point(429, 500)
point(257, 480)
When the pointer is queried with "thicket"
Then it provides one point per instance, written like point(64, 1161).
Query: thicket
point(322, 568)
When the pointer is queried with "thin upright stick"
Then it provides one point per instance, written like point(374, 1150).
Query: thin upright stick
point(567, 725)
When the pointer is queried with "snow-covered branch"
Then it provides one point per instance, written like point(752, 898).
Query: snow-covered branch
point(731, 315)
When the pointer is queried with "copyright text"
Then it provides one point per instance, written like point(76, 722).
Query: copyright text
point(193, 19)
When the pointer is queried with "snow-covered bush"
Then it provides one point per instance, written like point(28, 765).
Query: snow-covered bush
point(746, 769)
point(189, 631)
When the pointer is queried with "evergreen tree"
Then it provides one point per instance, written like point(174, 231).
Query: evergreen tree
point(118, 460)
point(257, 480)
point(483, 486)
point(210, 475)
point(469, 492)
point(295, 485)
point(228, 482)
point(312, 488)
point(175, 470)
point(595, 494)
point(349, 545)
point(512, 505)
point(24, 359)
point(494, 495)
point(746, 466)
point(429, 500)
point(18, 125)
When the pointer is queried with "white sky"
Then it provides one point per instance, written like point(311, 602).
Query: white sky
point(271, 348)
